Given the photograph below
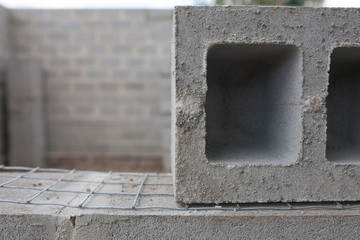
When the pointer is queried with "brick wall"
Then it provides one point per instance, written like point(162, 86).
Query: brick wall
point(4, 57)
point(106, 78)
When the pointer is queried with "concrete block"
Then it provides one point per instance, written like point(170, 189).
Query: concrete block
point(86, 37)
point(121, 74)
point(134, 86)
point(84, 87)
point(59, 37)
point(85, 62)
point(72, 74)
point(24, 89)
point(134, 111)
point(120, 25)
point(257, 117)
point(121, 50)
point(113, 111)
point(135, 62)
point(96, 74)
point(109, 86)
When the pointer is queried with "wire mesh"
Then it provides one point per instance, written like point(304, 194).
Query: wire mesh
point(111, 190)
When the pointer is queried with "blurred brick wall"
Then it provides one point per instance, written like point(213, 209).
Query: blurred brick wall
point(4, 57)
point(107, 78)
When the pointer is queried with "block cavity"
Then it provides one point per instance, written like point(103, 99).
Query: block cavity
point(343, 106)
point(253, 104)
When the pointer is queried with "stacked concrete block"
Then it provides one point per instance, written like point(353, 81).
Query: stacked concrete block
point(266, 104)
point(24, 85)
point(103, 72)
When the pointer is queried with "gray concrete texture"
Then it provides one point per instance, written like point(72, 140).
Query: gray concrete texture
point(54, 223)
point(26, 221)
point(266, 104)
point(106, 77)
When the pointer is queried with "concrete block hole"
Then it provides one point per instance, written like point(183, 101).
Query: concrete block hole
point(253, 113)
point(343, 106)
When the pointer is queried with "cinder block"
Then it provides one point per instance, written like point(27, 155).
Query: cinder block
point(265, 104)
point(84, 87)
point(25, 113)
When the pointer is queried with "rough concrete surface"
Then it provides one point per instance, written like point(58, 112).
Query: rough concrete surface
point(25, 221)
point(29, 221)
point(253, 120)
point(52, 223)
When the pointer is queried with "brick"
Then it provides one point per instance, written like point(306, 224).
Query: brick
point(84, 87)
point(71, 50)
point(46, 49)
point(84, 12)
point(85, 37)
point(135, 62)
point(96, 74)
point(148, 49)
point(160, 36)
point(109, 111)
point(58, 111)
point(85, 62)
point(122, 49)
point(46, 24)
point(120, 25)
point(134, 111)
point(253, 120)
point(121, 74)
point(22, 49)
point(59, 62)
point(145, 74)
point(110, 37)
point(135, 36)
point(108, 14)
point(160, 15)
point(162, 64)
point(109, 86)
point(59, 36)
point(109, 62)
point(96, 25)
point(58, 13)
point(85, 110)
point(134, 86)
point(72, 74)
point(70, 25)
point(97, 49)
point(57, 86)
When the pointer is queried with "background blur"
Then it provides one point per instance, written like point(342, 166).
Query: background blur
point(86, 84)
point(159, 4)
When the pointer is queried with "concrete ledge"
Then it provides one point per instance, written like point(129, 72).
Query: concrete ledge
point(40, 222)
point(31, 221)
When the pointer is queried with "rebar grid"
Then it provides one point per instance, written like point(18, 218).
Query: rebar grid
point(87, 197)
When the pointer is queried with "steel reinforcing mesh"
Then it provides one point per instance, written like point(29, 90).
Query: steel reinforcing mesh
point(115, 190)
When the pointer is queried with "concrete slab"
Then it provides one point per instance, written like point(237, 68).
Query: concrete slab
point(29, 221)
point(253, 120)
